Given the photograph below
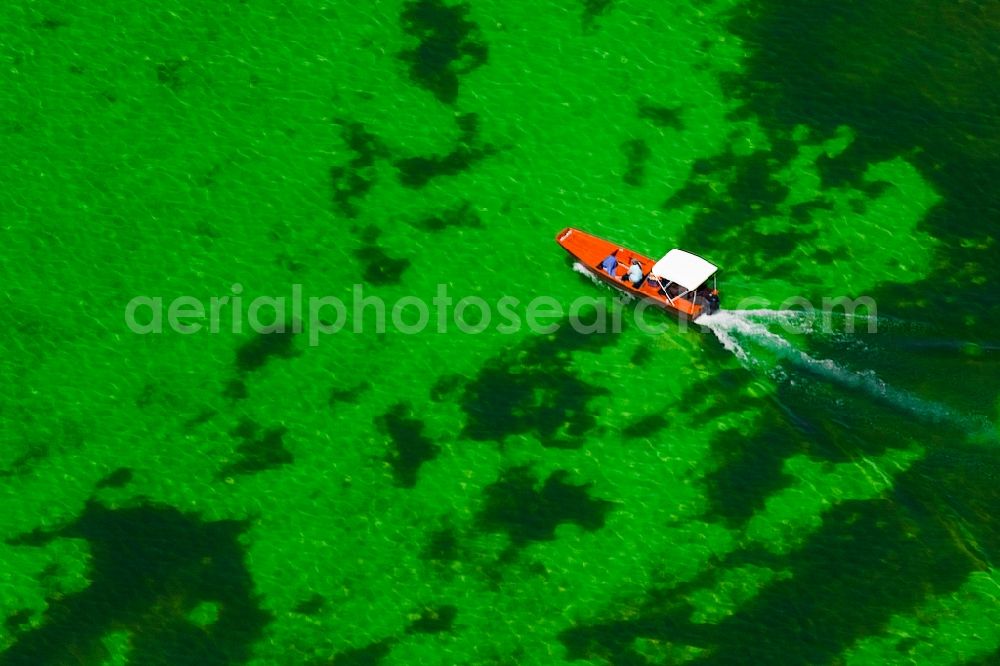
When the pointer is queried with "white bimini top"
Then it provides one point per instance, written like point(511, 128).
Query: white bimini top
point(688, 270)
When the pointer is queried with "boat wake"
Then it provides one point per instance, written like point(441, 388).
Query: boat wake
point(741, 331)
point(583, 270)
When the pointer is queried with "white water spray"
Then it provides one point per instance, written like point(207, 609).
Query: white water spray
point(740, 330)
point(583, 270)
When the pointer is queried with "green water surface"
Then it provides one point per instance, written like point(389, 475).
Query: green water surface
point(379, 497)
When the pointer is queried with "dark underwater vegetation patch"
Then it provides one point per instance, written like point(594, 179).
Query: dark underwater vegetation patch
point(416, 172)
point(434, 620)
point(593, 9)
point(353, 180)
point(169, 73)
point(913, 79)
point(862, 567)
point(14, 622)
point(641, 355)
point(147, 395)
point(530, 390)
point(442, 546)
point(747, 467)
point(959, 487)
point(731, 192)
point(410, 448)
point(611, 641)
point(379, 267)
point(514, 505)
point(747, 179)
point(802, 213)
point(263, 347)
point(707, 400)
point(450, 46)
point(661, 116)
point(24, 461)
point(462, 216)
point(637, 153)
point(825, 423)
point(150, 567)
point(236, 389)
point(311, 606)
point(991, 659)
point(446, 387)
point(258, 451)
point(348, 395)
point(50, 24)
point(287, 262)
point(750, 469)
point(117, 479)
point(864, 551)
point(647, 425)
point(205, 415)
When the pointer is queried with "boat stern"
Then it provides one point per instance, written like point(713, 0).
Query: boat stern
point(712, 302)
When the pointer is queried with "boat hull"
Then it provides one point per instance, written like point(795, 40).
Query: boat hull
point(590, 251)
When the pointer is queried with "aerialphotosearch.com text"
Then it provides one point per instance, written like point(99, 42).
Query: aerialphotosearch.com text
point(322, 316)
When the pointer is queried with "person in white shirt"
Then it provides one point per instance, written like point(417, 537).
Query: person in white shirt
point(634, 274)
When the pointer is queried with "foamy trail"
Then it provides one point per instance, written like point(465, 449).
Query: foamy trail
point(583, 270)
point(738, 331)
point(782, 316)
point(799, 321)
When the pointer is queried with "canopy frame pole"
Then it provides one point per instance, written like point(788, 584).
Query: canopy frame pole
point(666, 291)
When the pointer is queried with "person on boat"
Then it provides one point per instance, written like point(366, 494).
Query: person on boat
point(634, 274)
point(709, 296)
point(610, 263)
point(713, 301)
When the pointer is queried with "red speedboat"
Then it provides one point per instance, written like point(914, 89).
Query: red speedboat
point(679, 282)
